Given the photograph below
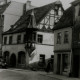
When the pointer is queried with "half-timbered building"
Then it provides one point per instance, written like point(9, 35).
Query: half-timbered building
point(31, 40)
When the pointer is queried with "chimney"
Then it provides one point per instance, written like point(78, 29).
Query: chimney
point(28, 5)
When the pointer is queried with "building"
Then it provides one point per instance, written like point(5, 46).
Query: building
point(14, 11)
point(66, 42)
point(10, 12)
point(2, 9)
point(30, 39)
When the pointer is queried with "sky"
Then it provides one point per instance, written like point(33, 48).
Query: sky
point(66, 3)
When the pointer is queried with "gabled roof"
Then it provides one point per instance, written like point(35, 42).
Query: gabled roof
point(75, 2)
point(3, 7)
point(39, 12)
point(66, 20)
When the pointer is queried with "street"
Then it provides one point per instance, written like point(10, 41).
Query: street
point(14, 74)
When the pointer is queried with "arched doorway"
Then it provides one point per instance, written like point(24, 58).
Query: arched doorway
point(21, 58)
point(6, 56)
point(13, 60)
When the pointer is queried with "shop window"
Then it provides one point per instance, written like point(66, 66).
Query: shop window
point(40, 38)
point(10, 39)
point(65, 62)
point(42, 58)
point(19, 39)
point(66, 37)
point(59, 38)
point(5, 40)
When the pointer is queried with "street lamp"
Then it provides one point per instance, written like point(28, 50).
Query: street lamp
point(30, 47)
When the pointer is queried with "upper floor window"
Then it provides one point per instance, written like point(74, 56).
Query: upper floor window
point(40, 38)
point(24, 39)
point(19, 39)
point(10, 39)
point(56, 12)
point(59, 38)
point(66, 37)
point(5, 40)
point(34, 37)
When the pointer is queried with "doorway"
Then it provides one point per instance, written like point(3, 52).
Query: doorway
point(76, 65)
point(58, 63)
point(13, 60)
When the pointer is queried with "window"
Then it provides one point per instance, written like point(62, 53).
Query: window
point(19, 39)
point(65, 62)
point(66, 35)
point(40, 38)
point(5, 40)
point(56, 12)
point(59, 38)
point(52, 58)
point(24, 39)
point(10, 39)
point(42, 58)
point(34, 37)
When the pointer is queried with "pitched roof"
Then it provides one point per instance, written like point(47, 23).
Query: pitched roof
point(39, 13)
point(66, 20)
point(75, 2)
point(3, 7)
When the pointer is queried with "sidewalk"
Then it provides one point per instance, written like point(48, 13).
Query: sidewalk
point(58, 77)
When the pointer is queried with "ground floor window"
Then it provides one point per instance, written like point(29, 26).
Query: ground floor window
point(21, 58)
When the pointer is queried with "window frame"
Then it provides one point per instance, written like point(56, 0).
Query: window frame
point(18, 39)
point(42, 58)
point(10, 39)
point(59, 38)
point(66, 37)
point(39, 38)
point(5, 40)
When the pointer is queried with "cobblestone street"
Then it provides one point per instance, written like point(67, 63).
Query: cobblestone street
point(12, 74)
